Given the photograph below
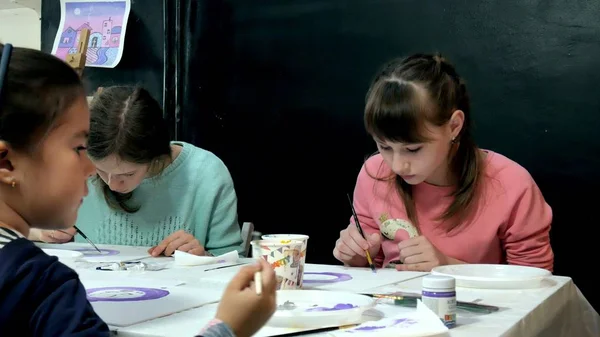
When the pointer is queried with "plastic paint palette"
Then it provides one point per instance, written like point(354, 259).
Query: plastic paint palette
point(319, 309)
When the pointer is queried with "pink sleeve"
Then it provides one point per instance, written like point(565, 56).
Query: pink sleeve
point(526, 236)
point(363, 192)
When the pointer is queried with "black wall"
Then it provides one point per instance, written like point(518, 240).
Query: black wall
point(276, 89)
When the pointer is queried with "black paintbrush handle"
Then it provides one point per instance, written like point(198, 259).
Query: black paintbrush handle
point(356, 222)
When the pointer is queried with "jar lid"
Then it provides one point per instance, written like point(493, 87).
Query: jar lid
point(439, 282)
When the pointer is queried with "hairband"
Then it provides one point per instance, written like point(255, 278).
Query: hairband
point(4, 59)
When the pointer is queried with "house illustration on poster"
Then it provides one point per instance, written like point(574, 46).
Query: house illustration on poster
point(105, 19)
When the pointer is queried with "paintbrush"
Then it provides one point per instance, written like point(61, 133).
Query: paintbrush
point(231, 265)
point(371, 264)
point(86, 238)
point(410, 300)
point(258, 282)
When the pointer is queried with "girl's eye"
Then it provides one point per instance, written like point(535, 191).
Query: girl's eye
point(383, 147)
point(80, 148)
point(414, 150)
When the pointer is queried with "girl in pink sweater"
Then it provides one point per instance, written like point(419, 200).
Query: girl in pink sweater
point(431, 197)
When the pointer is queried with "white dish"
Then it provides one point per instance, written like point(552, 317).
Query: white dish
point(494, 276)
point(63, 253)
point(305, 309)
point(66, 257)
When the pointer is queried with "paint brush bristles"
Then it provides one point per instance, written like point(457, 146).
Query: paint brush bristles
point(357, 223)
point(87, 239)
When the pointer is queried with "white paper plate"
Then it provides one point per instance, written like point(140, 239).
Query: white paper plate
point(319, 309)
point(494, 276)
point(67, 257)
point(63, 253)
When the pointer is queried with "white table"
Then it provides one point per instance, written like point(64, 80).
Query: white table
point(556, 309)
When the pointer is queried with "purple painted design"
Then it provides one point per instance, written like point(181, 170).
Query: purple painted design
point(124, 294)
point(338, 277)
point(340, 306)
point(439, 294)
point(401, 322)
point(90, 252)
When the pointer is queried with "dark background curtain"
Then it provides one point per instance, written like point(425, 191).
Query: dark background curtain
point(276, 89)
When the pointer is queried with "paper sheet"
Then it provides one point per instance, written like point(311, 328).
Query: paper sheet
point(420, 322)
point(186, 259)
point(352, 279)
point(123, 301)
point(108, 253)
point(107, 22)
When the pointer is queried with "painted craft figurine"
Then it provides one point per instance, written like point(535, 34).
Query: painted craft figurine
point(390, 229)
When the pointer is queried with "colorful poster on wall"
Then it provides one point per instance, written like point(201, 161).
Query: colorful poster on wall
point(107, 22)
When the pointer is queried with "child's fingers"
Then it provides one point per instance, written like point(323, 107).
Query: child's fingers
point(352, 239)
point(269, 280)
point(174, 245)
point(197, 251)
point(160, 248)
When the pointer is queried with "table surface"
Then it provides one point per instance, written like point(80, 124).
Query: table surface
point(555, 309)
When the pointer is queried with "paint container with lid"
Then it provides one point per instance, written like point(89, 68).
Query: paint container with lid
point(439, 295)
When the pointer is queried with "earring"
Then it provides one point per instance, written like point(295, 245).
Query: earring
point(13, 184)
point(453, 141)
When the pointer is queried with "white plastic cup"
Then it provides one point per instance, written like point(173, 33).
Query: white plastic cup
point(298, 237)
point(284, 257)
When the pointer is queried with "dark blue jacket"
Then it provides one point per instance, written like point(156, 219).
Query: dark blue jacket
point(40, 296)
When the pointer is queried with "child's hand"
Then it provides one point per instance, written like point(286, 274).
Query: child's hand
point(350, 247)
point(180, 240)
point(419, 254)
point(54, 236)
point(241, 308)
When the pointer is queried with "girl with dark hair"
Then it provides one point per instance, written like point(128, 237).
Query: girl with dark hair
point(430, 196)
point(150, 191)
point(44, 126)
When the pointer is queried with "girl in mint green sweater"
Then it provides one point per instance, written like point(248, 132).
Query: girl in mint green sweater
point(150, 191)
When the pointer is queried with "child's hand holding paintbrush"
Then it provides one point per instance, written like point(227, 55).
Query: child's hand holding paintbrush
point(355, 249)
point(243, 307)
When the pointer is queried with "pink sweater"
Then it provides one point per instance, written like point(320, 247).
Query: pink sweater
point(511, 225)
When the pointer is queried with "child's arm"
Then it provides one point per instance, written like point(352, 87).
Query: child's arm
point(223, 233)
point(57, 300)
point(66, 311)
point(243, 311)
point(526, 237)
point(216, 328)
point(363, 193)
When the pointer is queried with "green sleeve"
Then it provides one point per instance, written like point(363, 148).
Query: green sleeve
point(223, 233)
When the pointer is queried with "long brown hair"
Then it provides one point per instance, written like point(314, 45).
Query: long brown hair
point(128, 122)
point(407, 93)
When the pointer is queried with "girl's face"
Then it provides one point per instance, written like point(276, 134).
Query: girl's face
point(423, 162)
point(119, 175)
point(50, 182)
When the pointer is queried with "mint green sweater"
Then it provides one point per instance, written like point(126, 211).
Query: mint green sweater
point(194, 193)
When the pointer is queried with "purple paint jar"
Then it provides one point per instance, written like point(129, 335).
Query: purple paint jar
point(439, 295)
